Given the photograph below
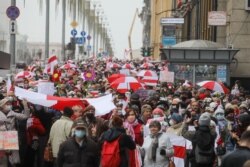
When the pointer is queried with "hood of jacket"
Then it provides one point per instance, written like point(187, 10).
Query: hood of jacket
point(113, 134)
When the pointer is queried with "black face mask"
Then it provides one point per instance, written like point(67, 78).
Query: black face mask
point(183, 98)
point(90, 116)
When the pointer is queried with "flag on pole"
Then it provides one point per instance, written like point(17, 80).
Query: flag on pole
point(52, 62)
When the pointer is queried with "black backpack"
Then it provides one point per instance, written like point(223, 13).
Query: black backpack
point(204, 156)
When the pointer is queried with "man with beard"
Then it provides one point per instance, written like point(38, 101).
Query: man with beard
point(95, 125)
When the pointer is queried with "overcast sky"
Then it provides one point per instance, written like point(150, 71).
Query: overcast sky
point(119, 13)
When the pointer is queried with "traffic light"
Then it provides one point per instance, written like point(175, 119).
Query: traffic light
point(142, 51)
point(150, 51)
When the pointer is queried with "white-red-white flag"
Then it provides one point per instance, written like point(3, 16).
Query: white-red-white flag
point(52, 62)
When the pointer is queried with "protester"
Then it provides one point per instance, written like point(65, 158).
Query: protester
point(60, 132)
point(35, 129)
point(8, 119)
point(95, 125)
point(176, 124)
point(78, 150)
point(157, 147)
point(203, 150)
point(117, 132)
point(240, 155)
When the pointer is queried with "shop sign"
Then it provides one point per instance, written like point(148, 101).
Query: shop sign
point(168, 41)
point(217, 18)
point(169, 20)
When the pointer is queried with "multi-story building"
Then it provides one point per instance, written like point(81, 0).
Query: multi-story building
point(235, 33)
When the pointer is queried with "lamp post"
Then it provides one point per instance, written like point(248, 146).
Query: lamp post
point(47, 30)
point(63, 29)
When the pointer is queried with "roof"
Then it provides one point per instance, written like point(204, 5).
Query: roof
point(201, 44)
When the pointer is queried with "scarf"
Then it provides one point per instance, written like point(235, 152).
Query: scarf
point(130, 128)
point(153, 146)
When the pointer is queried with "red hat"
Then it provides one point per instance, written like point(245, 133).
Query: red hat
point(158, 111)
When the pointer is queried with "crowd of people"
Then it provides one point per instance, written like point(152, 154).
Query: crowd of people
point(138, 132)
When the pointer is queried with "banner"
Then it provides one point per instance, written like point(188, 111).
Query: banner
point(9, 140)
point(103, 104)
point(46, 88)
point(166, 76)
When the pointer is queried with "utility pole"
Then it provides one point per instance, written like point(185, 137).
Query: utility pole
point(63, 29)
point(47, 30)
point(74, 19)
point(13, 44)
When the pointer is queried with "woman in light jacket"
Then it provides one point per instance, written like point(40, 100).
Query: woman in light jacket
point(157, 147)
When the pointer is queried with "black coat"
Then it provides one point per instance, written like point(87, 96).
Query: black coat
point(71, 154)
point(237, 158)
point(125, 142)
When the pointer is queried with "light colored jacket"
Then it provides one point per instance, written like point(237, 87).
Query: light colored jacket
point(175, 129)
point(7, 122)
point(163, 143)
point(59, 133)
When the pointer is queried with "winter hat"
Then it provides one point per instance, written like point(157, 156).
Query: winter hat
point(158, 111)
point(146, 107)
point(176, 117)
point(4, 101)
point(135, 97)
point(204, 119)
point(243, 105)
point(229, 105)
point(244, 119)
point(219, 111)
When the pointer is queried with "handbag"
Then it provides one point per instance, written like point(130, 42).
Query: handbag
point(171, 163)
point(48, 154)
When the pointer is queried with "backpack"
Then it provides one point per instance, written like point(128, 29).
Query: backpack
point(204, 156)
point(110, 155)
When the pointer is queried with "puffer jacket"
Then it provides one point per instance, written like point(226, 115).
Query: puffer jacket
point(163, 143)
point(71, 154)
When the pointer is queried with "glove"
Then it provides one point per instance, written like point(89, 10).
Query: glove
point(162, 152)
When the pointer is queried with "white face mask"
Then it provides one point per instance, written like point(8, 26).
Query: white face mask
point(156, 116)
point(171, 122)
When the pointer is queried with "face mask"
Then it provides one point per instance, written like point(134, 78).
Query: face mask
point(219, 117)
point(156, 116)
point(90, 116)
point(171, 122)
point(80, 133)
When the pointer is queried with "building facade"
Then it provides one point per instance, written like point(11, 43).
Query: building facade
point(234, 34)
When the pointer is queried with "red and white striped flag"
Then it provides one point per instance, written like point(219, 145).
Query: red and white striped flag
point(52, 62)
point(179, 144)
